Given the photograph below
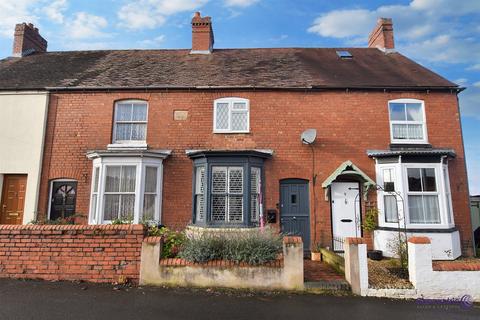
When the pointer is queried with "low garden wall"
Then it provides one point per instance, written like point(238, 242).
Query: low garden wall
point(104, 253)
point(286, 273)
point(453, 279)
point(437, 280)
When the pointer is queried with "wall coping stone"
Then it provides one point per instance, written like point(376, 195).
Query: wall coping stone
point(352, 240)
point(419, 240)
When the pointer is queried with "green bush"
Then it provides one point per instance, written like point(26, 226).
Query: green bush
point(253, 247)
point(172, 240)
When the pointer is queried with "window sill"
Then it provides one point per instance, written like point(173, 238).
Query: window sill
point(409, 142)
point(231, 132)
point(127, 146)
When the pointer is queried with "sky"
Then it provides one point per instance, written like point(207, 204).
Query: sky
point(443, 35)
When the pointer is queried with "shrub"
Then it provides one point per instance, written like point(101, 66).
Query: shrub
point(370, 223)
point(172, 240)
point(60, 221)
point(253, 247)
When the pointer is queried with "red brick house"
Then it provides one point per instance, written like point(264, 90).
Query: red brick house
point(212, 137)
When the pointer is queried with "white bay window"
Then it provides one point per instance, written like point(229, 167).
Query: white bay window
point(126, 186)
point(418, 193)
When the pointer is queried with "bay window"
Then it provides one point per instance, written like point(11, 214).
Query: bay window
point(227, 187)
point(407, 121)
point(126, 186)
point(419, 192)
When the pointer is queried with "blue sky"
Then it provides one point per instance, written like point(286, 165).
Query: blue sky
point(443, 35)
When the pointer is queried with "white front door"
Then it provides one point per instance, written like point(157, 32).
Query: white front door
point(346, 221)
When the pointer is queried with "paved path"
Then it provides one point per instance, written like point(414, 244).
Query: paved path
point(62, 300)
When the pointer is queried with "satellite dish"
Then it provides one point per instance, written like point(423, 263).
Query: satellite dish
point(309, 136)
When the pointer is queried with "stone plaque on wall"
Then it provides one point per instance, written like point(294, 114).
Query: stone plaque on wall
point(180, 115)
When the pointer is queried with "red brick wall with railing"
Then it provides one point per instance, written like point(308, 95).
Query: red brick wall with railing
point(105, 253)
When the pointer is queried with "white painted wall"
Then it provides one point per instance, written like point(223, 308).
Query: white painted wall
point(23, 118)
point(445, 246)
point(439, 284)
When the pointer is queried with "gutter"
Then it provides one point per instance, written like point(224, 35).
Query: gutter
point(260, 88)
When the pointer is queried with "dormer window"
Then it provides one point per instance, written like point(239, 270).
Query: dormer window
point(231, 115)
point(407, 121)
point(130, 122)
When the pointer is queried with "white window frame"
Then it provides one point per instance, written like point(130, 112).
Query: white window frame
point(424, 193)
point(230, 101)
point(140, 164)
point(423, 123)
point(401, 188)
point(133, 143)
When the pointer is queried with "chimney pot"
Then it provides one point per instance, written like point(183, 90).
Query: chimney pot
point(382, 35)
point(27, 40)
point(202, 34)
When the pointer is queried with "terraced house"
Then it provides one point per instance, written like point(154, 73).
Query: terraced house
point(213, 138)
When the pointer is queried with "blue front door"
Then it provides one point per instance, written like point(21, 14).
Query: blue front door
point(295, 209)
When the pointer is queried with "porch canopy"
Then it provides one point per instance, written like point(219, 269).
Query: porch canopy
point(348, 168)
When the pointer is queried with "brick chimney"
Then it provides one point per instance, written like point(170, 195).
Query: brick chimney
point(382, 35)
point(27, 40)
point(202, 34)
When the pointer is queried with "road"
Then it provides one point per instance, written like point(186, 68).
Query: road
point(64, 300)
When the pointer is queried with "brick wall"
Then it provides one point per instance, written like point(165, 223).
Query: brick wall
point(348, 123)
point(71, 252)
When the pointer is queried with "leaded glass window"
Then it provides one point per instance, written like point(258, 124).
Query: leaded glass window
point(227, 194)
point(255, 194)
point(231, 115)
point(200, 183)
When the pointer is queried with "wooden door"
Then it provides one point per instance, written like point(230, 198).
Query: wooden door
point(64, 198)
point(13, 199)
point(295, 209)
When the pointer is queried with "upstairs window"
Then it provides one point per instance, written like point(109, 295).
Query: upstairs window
point(130, 122)
point(231, 115)
point(407, 121)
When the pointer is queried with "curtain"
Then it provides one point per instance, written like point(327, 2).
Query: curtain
point(432, 211)
point(390, 205)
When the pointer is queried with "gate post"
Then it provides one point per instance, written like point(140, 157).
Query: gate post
point(356, 266)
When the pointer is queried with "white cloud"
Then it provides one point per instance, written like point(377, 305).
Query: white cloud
point(13, 12)
point(475, 67)
point(240, 3)
point(477, 84)
point(55, 10)
point(148, 14)
point(343, 23)
point(152, 43)
point(426, 30)
point(461, 81)
point(85, 25)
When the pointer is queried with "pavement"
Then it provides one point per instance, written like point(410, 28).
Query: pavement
point(31, 299)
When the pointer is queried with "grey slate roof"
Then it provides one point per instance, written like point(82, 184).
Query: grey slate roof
point(282, 68)
point(411, 152)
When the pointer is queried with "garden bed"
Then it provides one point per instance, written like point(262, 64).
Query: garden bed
point(387, 274)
